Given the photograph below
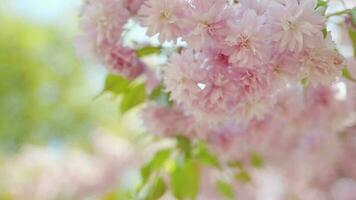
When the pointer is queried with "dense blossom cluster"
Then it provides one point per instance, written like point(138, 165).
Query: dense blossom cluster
point(252, 76)
point(237, 56)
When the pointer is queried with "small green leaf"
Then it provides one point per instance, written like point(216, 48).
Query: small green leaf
point(160, 158)
point(243, 176)
point(145, 173)
point(325, 32)
point(235, 164)
point(346, 74)
point(321, 3)
point(205, 156)
point(116, 84)
point(156, 163)
point(135, 95)
point(161, 97)
point(157, 189)
point(256, 160)
point(353, 15)
point(185, 180)
point(304, 82)
point(183, 144)
point(225, 189)
point(352, 34)
point(146, 51)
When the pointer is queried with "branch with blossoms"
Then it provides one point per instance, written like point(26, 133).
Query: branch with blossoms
point(247, 89)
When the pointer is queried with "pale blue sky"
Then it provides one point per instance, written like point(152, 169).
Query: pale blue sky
point(43, 11)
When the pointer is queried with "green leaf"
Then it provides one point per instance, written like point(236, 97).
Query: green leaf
point(183, 144)
point(225, 189)
point(204, 155)
point(117, 195)
point(156, 163)
point(135, 95)
point(157, 189)
point(304, 82)
point(256, 160)
point(185, 180)
point(353, 15)
point(116, 84)
point(325, 32)
point(352, 34)
point(160, 158)
point(346, 74)
point(243, 176)
point(235, 164)
point(161, 97)
point(146, 51)
point(321, 3)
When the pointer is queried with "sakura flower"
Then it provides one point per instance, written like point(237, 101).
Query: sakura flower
point(103, 20)
point(260, 6)
point(217, 98)
point(294, 23)
point(133, 5)
point(246, 44)
point(182, 76)
point(321, 64)
point(252, 83)
point(123, 61)
point(205, 22)
point(163, 17)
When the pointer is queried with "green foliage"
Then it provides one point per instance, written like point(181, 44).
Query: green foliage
point(352, 34)
point(116, 84)
point(346, 74)
point(42, 92)
point(184, 145)
point(182, 165)
point(135, 95)
point(185, 179)
point(353, 15)
point(225, 189)
point(146, 51)
point(256, 160)
point(203, 154)
point(157, 190)
point(156, 163)
point(118, 195)
point(321, 3)
point(243, 176)
point(161, 97)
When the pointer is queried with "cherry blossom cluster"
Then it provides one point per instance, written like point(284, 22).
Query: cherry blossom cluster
point(102, 24)
point(238, 56)
point(251, 76)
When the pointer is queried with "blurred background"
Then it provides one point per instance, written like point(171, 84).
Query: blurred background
point(48, 109)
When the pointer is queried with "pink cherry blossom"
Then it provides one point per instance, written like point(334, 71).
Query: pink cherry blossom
point(123, 61)
point(182, 75)
point(294, 23)
point(163, 17)
point(321, 64)
point(133, 5)
point(103, 20)
point(205, 21)
point(246, 43)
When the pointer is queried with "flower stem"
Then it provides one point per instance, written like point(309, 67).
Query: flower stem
point(347, 11)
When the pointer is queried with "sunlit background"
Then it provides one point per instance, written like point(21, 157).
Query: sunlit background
point(49, 107)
